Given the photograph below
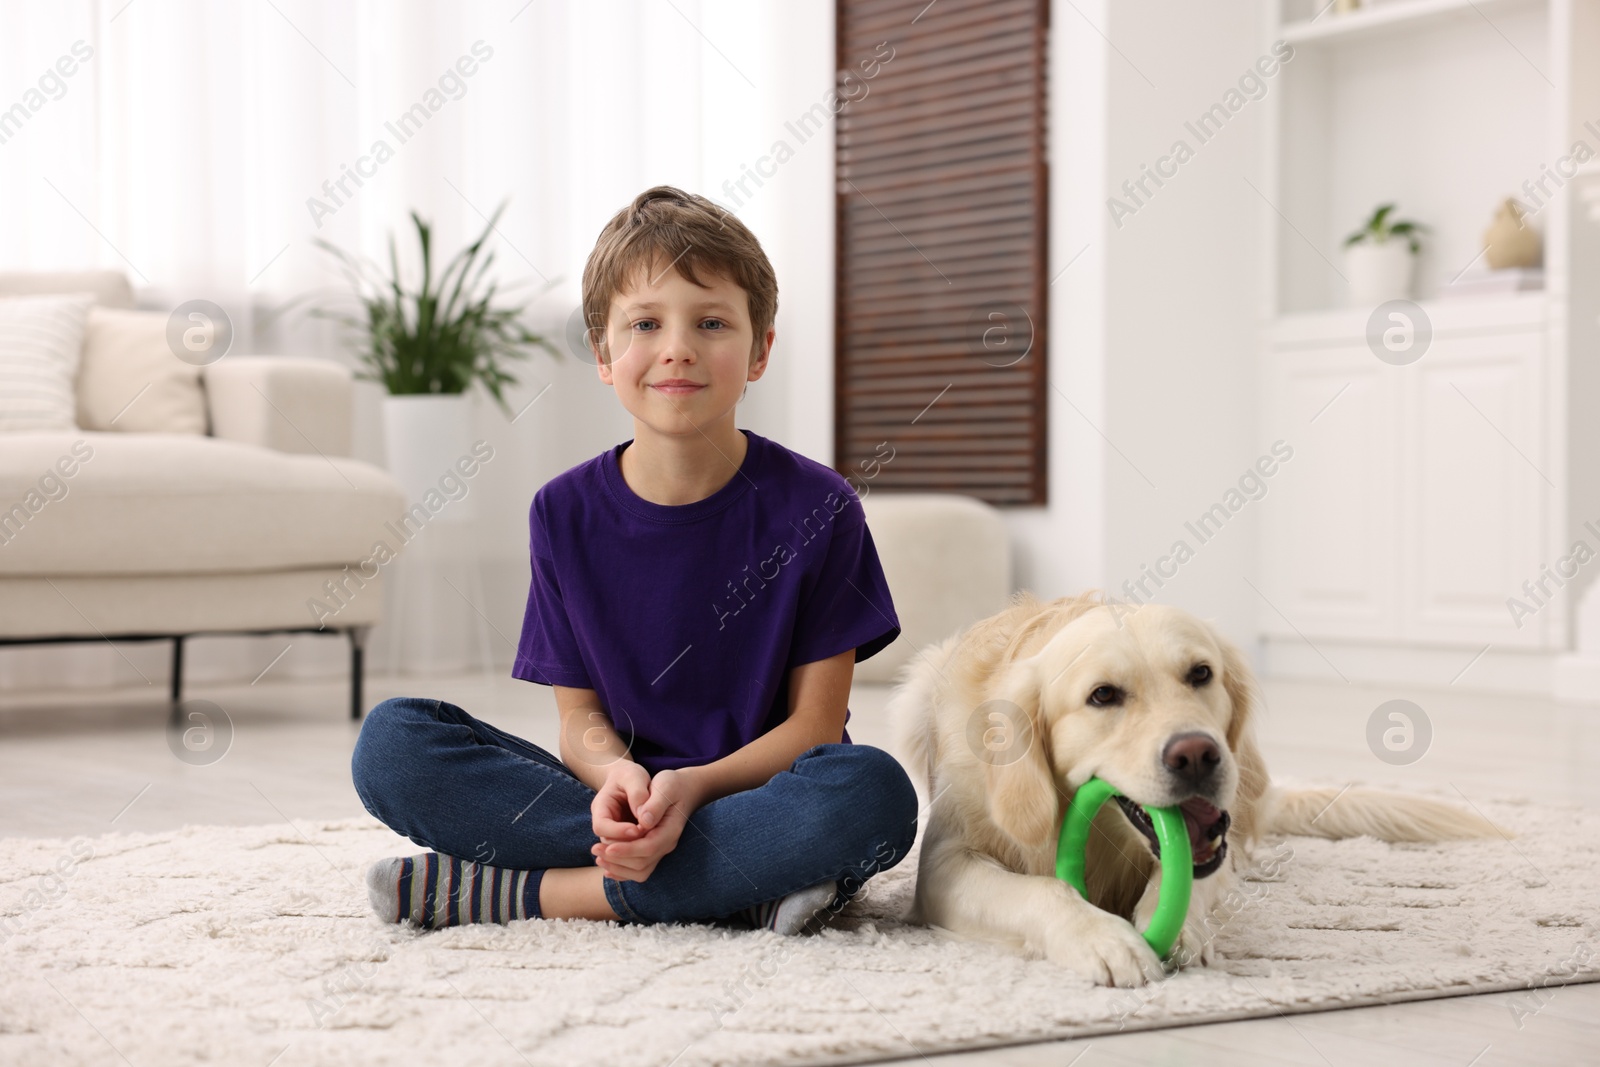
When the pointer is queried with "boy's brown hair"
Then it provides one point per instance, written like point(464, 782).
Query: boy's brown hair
point(693, 234)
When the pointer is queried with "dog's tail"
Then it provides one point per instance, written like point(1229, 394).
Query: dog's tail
point(1355, 811)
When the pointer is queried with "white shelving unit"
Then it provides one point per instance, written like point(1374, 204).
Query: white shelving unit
point(1388, 19)
point(1426, 494)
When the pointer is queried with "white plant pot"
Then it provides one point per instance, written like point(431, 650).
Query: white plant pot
point(1378, 272)
point(434, 624)
point(424, 436)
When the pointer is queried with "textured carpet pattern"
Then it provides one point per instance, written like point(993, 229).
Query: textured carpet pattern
point(255, 946)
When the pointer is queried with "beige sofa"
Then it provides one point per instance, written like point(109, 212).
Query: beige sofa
point(144, 535)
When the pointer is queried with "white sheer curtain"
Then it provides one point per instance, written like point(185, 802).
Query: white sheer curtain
point(185, 149)
point(190, 148)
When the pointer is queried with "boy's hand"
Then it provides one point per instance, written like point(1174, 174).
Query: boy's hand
point(661, 817)
point(614, 810)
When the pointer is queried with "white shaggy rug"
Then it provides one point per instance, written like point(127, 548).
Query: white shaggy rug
point(255, 946)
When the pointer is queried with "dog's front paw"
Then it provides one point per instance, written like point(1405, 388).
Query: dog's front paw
point(1196, 947)
point(1102, 947)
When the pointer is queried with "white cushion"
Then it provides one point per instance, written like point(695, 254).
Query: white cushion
point(40, 338)
point(947, 559)
point(130, 382)
point(288, 403)
point(152, 503)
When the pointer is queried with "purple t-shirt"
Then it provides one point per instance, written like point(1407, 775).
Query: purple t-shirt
point(687, 619)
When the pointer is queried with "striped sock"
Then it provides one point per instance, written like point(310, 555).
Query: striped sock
point(434, 890)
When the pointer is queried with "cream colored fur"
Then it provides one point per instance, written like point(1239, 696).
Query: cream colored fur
point(996, 721)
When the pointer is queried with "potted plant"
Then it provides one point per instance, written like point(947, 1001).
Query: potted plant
point(1379, 258)
point(428, 346)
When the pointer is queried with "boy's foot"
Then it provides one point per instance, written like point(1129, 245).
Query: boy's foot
point(789, 915)
point(434, 890)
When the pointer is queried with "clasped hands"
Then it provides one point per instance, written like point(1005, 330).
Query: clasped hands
point(638, 819)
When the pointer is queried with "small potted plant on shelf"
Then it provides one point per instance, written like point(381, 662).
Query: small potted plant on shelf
point(429, 345)
point(1380, 256)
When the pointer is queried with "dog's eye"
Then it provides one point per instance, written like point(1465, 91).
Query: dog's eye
point(1199, 675)
point(1104, 696)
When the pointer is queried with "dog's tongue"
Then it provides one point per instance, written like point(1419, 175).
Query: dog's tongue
point(1199, 816)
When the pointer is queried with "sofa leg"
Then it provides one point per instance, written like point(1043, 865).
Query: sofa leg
point(358, 641)
point(177, 669)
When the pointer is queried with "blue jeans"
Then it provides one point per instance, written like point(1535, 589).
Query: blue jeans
point(459, 786)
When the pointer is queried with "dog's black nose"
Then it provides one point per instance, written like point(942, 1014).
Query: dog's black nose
point(1191, 757)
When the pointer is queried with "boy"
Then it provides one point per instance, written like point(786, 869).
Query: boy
point(699, 596)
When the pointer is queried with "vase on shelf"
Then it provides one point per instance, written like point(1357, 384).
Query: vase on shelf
point(1509, 241)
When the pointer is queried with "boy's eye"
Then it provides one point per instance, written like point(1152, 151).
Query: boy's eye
point(648, 325)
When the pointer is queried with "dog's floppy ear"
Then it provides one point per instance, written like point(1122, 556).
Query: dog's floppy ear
point(1240, 683)
point(1243, 693)
point(1014, 746)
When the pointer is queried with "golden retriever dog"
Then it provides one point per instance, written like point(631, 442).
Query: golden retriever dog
point(1007, 718)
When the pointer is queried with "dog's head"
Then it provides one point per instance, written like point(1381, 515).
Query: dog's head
point(1154, 701)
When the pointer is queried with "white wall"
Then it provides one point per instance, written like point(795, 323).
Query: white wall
point(1153, 324)
point(1182, 285)
point(1061, 548)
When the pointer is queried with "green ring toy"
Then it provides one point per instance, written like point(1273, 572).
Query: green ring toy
point(1177, 860)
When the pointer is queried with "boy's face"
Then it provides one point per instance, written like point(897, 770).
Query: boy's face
point(664, 327)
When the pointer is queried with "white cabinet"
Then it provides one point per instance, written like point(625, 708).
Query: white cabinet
point(1473, 488)
point(1416, 501)
point(1331, 523)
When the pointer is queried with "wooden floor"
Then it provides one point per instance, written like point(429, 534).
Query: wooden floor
point(92, 763)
